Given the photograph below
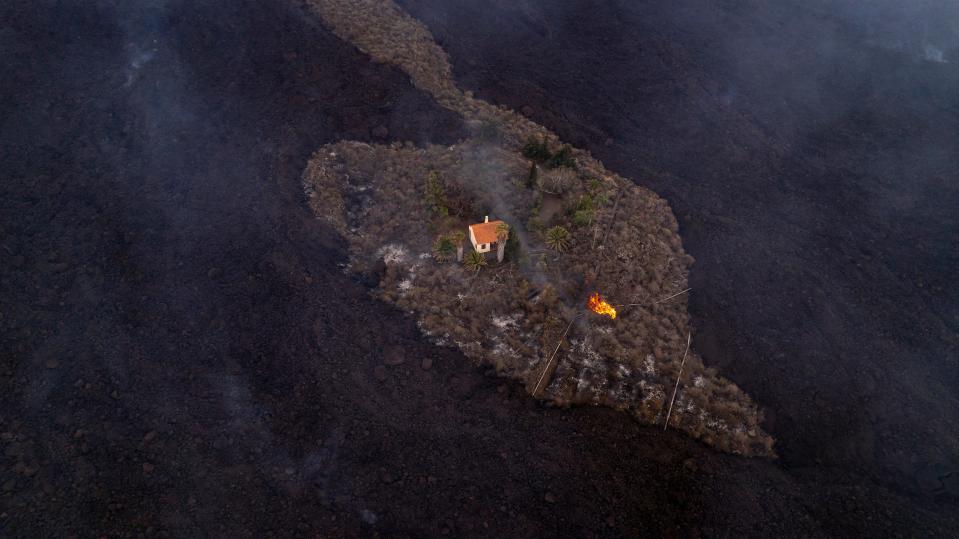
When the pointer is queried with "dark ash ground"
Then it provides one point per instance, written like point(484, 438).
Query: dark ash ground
point(180, 353)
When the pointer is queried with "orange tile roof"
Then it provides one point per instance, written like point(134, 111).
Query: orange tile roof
point(485, 232)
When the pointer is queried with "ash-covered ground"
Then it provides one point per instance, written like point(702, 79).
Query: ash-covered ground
point(181, 353)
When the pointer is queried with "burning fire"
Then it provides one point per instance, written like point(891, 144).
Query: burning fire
point(599, 306)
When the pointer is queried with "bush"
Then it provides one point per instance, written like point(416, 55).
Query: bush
point(474, 260)
point(558, 238)
point(557, 181)
point(458, 201)
point(583, 217)
point(435, 195)
point(583, 203)
point(444, 249)
point(562, 158)
point(513, 247)
point(488, 131)
point(537, 150)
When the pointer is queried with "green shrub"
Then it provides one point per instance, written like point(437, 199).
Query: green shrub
point(474, 260)
point(444, 249)
point(537, 150)
point(558, 238)
point(513, 247)
point(593, 186)
point(435, 195)
point(583, 203)
point(562, 158)
point(583, 217)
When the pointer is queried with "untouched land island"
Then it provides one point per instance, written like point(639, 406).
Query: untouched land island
point(572, 229)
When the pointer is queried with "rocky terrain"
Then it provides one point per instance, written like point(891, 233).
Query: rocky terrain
point(181, 353)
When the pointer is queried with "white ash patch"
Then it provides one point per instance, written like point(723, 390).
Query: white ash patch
point(469, 348)
point(593, 359)
point(581, 382)
point(712, 423)
point(649, 365)
point(592, 378)
point(651, 392)
point(588, 358)
point(393, 253)
point(503, 350)
point(698, 381)
point(503, 322)
point(619, 396)
point(406, 284)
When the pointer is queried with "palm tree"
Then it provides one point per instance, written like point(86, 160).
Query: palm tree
point(558, 238)
point(475, 261)
point(502, 234)
point(457, 238)
point(443, 249)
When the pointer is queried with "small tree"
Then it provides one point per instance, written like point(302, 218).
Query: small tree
point(435, 195)
point(474, 260)
point(457, 238)
point(538, 150)
point(513, 248)
point(558, 238)
point(533, 176)
point(502, 234)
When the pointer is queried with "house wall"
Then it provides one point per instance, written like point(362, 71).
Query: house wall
point(479, 248)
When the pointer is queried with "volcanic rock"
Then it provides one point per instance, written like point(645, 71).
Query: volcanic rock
point(394, 355)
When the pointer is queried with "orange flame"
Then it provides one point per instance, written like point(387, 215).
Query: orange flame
point(599, 306)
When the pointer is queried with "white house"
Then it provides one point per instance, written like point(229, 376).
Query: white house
point(484, 235)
